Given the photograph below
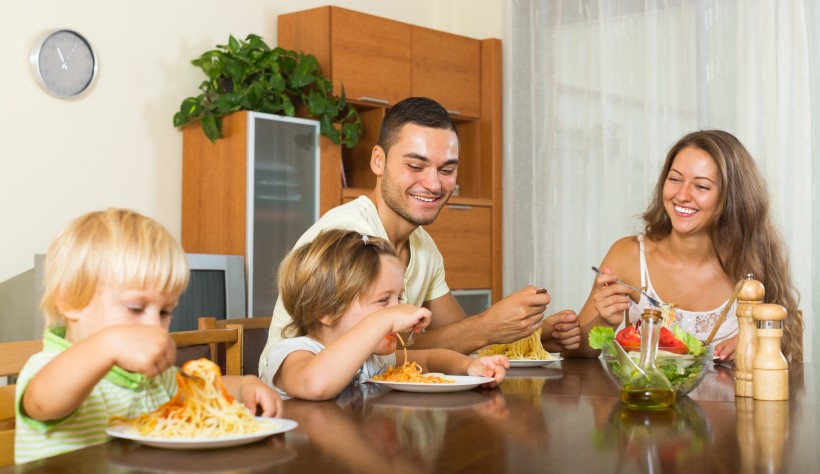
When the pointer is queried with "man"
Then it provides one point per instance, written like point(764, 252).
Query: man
point(415, 163)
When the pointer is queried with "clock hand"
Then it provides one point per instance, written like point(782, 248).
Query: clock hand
point(62, 60)
point(71, 52)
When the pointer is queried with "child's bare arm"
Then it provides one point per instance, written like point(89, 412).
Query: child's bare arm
point(254, 394)
point(324, 375)
point(75, 372)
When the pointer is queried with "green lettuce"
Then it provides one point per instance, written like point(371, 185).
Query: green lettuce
point(696, 347)
point(601, 336)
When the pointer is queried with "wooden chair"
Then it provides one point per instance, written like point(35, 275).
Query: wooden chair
point(202, 343)
point(13, 355)
point(255, 336)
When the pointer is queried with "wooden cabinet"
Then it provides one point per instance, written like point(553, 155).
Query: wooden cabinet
point(447, 66)
point(463, 235)
point(368, 55)
point(380, 62)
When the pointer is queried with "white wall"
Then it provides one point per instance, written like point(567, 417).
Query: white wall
point(117, 145)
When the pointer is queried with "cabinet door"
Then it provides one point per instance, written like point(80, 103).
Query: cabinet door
point(462, 234)
point(447, 68)
point(370, 56)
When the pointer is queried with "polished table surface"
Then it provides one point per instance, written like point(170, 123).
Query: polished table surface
point(565, 417)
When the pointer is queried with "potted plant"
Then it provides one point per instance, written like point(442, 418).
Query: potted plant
point(248, 75)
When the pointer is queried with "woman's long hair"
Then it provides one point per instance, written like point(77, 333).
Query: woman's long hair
point(741, 231)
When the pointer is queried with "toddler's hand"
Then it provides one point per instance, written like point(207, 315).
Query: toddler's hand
point(255, 394)
point(148, 350)
point(490, 366)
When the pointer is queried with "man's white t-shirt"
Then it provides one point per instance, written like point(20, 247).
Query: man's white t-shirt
point(423, 279)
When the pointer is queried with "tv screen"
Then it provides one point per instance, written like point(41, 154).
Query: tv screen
point(216, 289)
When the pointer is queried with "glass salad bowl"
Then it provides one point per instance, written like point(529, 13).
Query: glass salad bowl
point(684, 371)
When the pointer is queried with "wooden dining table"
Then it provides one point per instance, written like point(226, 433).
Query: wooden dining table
point(563, 417)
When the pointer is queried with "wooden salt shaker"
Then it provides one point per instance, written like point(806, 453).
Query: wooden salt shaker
point(771, 427)
point(771, 370)
point(750, 295)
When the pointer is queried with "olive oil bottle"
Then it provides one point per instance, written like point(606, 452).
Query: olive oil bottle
point(648, 388)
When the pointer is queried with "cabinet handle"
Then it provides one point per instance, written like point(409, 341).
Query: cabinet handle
point(459, 207)
point(453, 112)
point(373, 99)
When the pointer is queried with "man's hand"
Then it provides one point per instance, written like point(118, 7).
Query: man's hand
point(516, 316)
point(561, 331)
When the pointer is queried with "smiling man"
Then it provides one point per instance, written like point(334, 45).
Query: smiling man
point(416, 164)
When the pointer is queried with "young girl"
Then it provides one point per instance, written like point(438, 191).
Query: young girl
point(112, 280)
point(343, 290)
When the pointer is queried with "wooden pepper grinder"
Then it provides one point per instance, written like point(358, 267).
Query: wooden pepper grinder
point(771, 370)
point(750, 295)
point(746, 436)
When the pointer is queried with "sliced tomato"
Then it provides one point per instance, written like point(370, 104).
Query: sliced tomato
point(669, 342)
point(629, 338)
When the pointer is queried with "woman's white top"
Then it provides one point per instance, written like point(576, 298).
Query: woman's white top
point(696, 323)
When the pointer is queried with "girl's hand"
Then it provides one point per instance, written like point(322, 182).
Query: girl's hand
point(725, 351)
point(610, 299)
point(405, 317)
point(490, 366)
point(255, 395)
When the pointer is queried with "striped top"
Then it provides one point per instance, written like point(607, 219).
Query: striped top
point(120, 393)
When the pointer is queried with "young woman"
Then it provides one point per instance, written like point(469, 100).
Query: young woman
point(707, 226)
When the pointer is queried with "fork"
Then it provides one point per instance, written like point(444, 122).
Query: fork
point(652, 300)
point(189, 375)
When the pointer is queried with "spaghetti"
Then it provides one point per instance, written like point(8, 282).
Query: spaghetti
point(409, 372)
point(201, 408)
point(528, 348)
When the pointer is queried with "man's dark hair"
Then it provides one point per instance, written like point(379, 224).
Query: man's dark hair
point(419, 111)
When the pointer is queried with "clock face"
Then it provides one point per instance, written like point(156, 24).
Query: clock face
point(64, 63)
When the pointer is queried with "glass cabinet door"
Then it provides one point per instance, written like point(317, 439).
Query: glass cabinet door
point(283, 200)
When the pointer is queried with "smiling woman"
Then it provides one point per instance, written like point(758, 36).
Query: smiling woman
point(707, 225)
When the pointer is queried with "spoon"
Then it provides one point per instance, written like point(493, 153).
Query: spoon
point(652, 300)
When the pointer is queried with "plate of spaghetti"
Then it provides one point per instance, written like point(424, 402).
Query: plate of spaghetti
point(526, 352)
point(201, 415)
point(455, 383)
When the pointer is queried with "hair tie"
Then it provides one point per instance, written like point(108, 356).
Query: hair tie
point(365, 239)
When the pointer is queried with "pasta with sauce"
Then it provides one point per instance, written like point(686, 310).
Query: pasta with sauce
point(409, 372)
point(528, 348)
point(201, 408)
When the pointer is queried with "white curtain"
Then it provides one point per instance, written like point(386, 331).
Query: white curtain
point(597, 91)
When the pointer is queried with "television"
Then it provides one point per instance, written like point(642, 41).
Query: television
point(216, 289)
point(474, 301)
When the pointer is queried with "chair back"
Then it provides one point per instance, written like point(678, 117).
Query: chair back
point(255, 336)
point(13, 355)
point(196, 344)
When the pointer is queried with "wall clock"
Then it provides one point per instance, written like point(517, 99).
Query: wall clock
point(64, 63)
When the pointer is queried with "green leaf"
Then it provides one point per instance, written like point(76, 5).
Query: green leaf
point(212, 127)
point(600, 336)
point(696, 347)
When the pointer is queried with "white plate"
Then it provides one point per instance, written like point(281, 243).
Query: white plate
point(462, 382)
point(272, 426)
point(532, 363)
